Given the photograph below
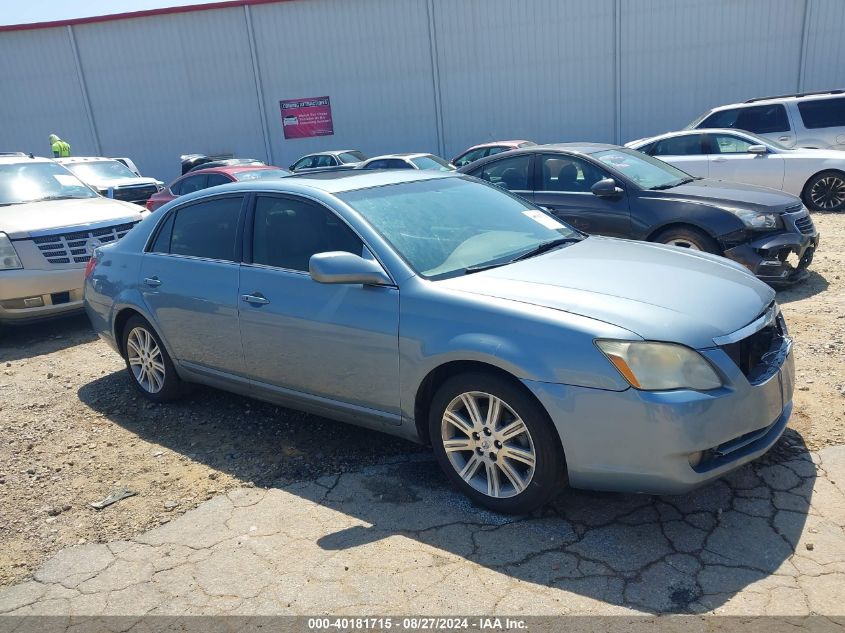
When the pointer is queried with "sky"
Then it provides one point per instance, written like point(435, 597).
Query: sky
point(21, 12)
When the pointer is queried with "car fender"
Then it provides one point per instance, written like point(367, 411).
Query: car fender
point(651, 215)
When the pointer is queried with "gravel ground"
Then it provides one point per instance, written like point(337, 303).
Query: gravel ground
point(74, 430)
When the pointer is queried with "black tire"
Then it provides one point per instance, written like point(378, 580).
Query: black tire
point(830, 193)
point(171, 386)
point(695, 238)
point(549, 470)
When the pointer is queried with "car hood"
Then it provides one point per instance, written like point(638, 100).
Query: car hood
point(18, 221)
point(658, 292)
point(723, 194)
point(121, 182)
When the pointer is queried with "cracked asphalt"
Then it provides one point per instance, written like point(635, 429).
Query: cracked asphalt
point(395, 538)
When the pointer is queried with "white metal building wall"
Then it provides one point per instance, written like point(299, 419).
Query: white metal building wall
point(414, 75)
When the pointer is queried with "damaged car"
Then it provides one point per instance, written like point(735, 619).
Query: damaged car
point(609, 190)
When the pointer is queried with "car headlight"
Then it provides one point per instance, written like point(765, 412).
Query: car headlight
point(9, 259)
point(760, 219)
point(660, 366)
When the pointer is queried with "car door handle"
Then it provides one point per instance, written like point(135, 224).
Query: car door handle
point(255, 298)
point(152, 282)
point(783, 138)
point(720, 160)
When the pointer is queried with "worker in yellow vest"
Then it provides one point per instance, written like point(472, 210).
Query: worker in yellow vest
point(60, 148)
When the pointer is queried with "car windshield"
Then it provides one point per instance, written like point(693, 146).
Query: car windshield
point(432, 162)
point(261, 174)
point(448, 226)
point(95, 171)
point(646, 171)
point(31, 182)
point(351, 157)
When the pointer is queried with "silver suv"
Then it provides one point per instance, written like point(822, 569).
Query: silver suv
point(809, 119)
point(50, 223)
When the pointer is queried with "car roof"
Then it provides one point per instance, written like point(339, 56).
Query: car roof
point(514, 143)
point(697, 130)
point(23, 158)
point(331, 152)
point(231, 169)
point(335, 182)
point(578, 148)
point(808, 96)
point(84, 159)
point(400, 155)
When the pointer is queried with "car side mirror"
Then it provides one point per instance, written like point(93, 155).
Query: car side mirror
point(757, 149)
point(338, 267)
point(606, 188)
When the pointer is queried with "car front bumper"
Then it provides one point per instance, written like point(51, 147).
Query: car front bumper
point(31, 295)
point(781, 258)
point(668, 442)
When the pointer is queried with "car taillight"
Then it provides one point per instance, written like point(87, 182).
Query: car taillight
point(89, 267)
point(149, 204)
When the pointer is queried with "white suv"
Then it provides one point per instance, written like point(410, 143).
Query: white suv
point(810, 119)
point(50, 223)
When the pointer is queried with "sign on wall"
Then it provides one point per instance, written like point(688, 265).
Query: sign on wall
point(302, 118)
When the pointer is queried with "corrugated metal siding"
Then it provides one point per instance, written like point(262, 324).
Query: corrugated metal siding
point(824, 66)
point(371, 57)
point(171, 85)
point(681, 58)
point(548, 70)
point(536, 69)
point(40, 93)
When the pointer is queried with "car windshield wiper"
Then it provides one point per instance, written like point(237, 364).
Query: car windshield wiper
point(670, 185)
point(542, 247)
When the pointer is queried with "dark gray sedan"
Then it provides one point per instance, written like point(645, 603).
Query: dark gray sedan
point(442, 309)
point(610, 190)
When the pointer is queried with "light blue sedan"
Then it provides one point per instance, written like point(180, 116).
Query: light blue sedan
point(448, 311)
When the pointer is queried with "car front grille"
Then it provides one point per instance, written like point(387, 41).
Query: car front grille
point(138, 194)
point(76, 247)
point(805, 225)
point(760, 355)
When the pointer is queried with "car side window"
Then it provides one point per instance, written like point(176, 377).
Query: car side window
point(217, 179)
point(722, 118)
point(508, 173)
point(686, 145)
point(207, 229)
point(193, 183)
point(377, 164)
point(302, 163)
point(470, 157)
point(176, 187)
point(729, 144)
point(162, 240)
point(398, 163)
point(821, 113)
point(496, 150)
point(569, 174)
point(324, 160)
point(288, 231)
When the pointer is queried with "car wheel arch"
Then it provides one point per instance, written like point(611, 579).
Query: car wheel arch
point(122, 316)
point(440, 374)
point(679, 224)
point(804, 189)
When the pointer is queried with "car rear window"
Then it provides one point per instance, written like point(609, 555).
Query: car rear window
point(820, 113)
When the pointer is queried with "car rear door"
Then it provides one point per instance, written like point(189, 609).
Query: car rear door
point(563, 186)
point(730, 160)
point(189, 282)
point(338, 342)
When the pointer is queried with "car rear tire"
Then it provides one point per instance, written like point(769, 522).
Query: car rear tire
point(148, 363)
point(688, 237)
point(825, 192)
point(496, 443)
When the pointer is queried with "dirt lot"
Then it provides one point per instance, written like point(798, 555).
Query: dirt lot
point(74, 430)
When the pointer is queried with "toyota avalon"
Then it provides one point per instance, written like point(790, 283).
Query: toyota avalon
point(448, 311)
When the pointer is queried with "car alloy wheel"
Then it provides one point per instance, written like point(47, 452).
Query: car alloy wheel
point(828, 193)
point(488, 444)
point(145, 360)
point(682, 243)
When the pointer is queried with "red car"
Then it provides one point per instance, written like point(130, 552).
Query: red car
point(472, 154)
point(204, 178)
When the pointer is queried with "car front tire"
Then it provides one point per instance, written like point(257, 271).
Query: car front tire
point(825, 192)
point(496, 443)
point(688, 237)
point(148, 363)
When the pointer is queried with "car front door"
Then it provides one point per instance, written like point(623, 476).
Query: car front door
point(563, 185)
point(338, 342)
point(730, 160)
point(686, 152)
point(189, 281)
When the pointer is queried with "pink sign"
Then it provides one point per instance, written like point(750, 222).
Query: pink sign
point(302, 118)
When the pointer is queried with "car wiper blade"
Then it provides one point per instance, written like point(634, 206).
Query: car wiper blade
point(543, 247)
point(670, 185)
